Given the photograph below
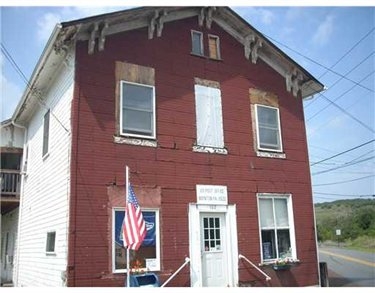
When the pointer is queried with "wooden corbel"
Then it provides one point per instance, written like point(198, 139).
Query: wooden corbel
point(152, 25)
point(254, 50)
point(92, 39)
point(293, 81)
point(160, 23)
point(206, 14)
point(247, 45)
point(102, 36)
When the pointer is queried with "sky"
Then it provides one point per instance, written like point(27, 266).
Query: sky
point(336, 44)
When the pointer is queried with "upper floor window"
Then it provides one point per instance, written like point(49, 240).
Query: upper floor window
point(137, 117)
point(50, 243)
point(213, 47)
point(276, 227)
point(209, 116)
point(197, 43)
point(46, 132)
point(147, 256)
point(268, 128)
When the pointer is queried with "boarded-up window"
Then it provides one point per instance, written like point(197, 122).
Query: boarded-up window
point(136, 100)
point(197, 42)
point(213, 47)
point(268, 128)
point(209, 116)
point(46, 133)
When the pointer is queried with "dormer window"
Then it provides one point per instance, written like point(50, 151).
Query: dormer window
point(213, 47)
point(197, 43)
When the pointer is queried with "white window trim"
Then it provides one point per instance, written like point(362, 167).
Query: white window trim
point(217, 46)
point(202, 47)
point(158, 248)
point(292, 234)
point(153, 136)
point(257, 129)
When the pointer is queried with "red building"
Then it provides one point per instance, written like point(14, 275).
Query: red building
point(207, 114)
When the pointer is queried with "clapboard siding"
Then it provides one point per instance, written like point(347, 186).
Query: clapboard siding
point(44, 205)
point(98, 162)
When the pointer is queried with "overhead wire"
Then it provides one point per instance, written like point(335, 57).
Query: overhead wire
point(344, 152)
point(342, 57)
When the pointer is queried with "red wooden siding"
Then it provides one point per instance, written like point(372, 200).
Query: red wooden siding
point(98, 162)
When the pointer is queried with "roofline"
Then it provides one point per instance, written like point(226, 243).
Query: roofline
point(274, 46)
point(37, 70)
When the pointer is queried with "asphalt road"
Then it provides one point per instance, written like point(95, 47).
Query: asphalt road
point(348, 268)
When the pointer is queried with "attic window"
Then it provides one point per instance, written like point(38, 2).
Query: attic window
point(197, 43)
point(213, 47)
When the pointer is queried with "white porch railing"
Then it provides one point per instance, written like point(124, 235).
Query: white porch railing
point(187, 260)
point(268, 278)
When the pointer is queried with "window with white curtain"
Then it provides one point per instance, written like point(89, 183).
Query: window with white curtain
point(276, 227)
point(209, 116)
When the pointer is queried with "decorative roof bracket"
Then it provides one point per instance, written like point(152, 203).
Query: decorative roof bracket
point(92, 39)
point(104, 27)
point(251, 47)
point(293, 81)
point(254, 50)
point(206, 14)
point(156, 22)
point(247, 45)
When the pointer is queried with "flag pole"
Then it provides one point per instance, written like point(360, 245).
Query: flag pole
point(126, 206)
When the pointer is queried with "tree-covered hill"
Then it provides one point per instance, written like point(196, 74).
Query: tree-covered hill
point(355, 218)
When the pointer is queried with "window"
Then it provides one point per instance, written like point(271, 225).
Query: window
point(268, 128)
point(197, 43)
point(276, 227)
point(209, 116)
point(50, 246)
point(148, 254)
point(137, 110)
point(213, 47)
point(45, 133)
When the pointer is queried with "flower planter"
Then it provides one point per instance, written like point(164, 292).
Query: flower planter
point(281, 267)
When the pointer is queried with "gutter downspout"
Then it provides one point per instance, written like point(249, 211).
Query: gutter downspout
point(16, 272)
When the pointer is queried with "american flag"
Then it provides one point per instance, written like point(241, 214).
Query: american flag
point(134, 227)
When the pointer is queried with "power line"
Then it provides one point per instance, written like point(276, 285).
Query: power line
point(346, 181)
point(340, 96)
point(19, 71)
point(340, 194)
point(351, 49)
point(315, 62)
point(342, 57)
point(344, 152)
point(343, 166)
point(347, 113)
point(14, 64)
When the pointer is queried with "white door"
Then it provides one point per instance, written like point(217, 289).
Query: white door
point(213, 248)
